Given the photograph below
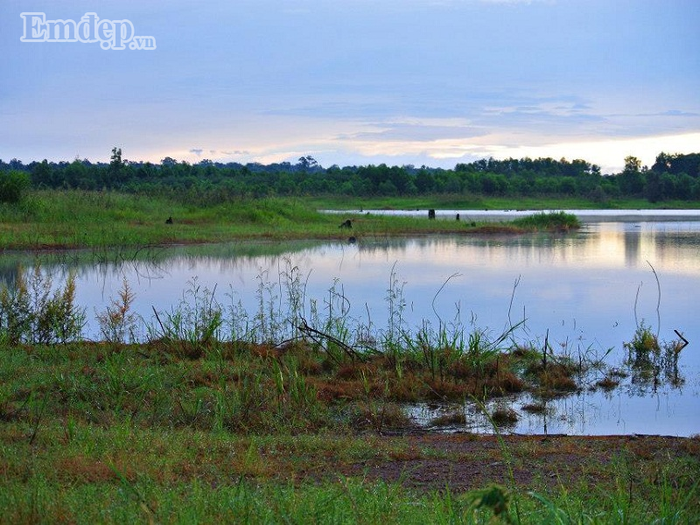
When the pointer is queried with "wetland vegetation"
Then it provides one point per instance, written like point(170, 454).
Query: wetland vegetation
point(82, 219)
point(294, 415)
point(213, 418)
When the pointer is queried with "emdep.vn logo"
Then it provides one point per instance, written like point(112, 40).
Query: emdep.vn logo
point(111, 34)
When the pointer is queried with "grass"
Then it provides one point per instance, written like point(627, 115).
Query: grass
point(465, 202)
point(193, 427)
point(73, 219)
point(557, 221)
point(651, 361)
point(284, 364)
point(80, 219)
point(57, 467)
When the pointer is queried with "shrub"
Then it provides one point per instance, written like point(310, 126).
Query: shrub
point(12, 186)
point(560, 221)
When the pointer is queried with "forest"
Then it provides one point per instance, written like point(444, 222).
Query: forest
point(671, 177)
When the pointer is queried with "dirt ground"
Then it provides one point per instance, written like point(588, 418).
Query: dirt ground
point(466, 461)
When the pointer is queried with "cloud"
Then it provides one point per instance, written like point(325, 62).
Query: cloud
point(197, 151)
point(677, 113)
point(416, 129)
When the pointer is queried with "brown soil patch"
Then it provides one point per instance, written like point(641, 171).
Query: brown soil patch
point(464, 462)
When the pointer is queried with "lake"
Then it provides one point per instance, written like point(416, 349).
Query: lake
point(585, 292)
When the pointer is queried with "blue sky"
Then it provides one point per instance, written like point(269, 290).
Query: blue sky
point(432, 82)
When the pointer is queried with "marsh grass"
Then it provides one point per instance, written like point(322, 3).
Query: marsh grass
point(71, 219)
point(292, 345)
point(556, 221)
point(468, 202)
point(652, 361)
point(97, 432)
point(118, 323)
point(102, 219)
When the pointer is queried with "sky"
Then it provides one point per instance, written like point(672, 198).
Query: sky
point(353, 82)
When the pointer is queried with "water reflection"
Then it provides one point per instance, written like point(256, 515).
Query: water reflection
point(632, 248)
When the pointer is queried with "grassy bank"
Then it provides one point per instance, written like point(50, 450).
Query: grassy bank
point(70, 219)
point(180, 433)
point(75, 219)
point(458, 202)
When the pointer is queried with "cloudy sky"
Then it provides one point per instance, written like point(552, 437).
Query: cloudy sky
point(432, 82)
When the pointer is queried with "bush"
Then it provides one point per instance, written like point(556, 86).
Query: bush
point(560, 221)
point(12, 186)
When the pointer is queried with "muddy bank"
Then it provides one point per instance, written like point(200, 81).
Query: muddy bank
point(466, 461)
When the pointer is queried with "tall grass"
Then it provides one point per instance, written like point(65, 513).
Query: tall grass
point(559, 221)
point(32, 311)
point(101, 219)
point(652, 361)
point(69, 219)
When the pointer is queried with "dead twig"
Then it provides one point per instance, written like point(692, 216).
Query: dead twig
point(311, 332)
point(159, 322)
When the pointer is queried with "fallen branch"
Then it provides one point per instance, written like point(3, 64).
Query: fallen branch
point(311, 332)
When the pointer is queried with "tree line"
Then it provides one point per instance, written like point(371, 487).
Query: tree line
point(671, 177)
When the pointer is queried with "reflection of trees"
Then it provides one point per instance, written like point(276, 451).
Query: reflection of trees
point(149, 262)
point(632, 243)
point(674, 246)
point(8, 273)
point(537, 247)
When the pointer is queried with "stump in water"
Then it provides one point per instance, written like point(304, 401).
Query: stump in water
point(431, 214)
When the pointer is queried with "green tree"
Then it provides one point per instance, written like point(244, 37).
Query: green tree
point(116, 159)
point(653, 189)
point(630, 180)
point(424, 181)
point(42, 174)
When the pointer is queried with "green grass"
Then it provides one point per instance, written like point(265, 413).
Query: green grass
point(190, 431)
point(559, 221)
point(78, 219)
point(58, 469)
point(141, 500)
point(459, 202)
point(73, 219)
